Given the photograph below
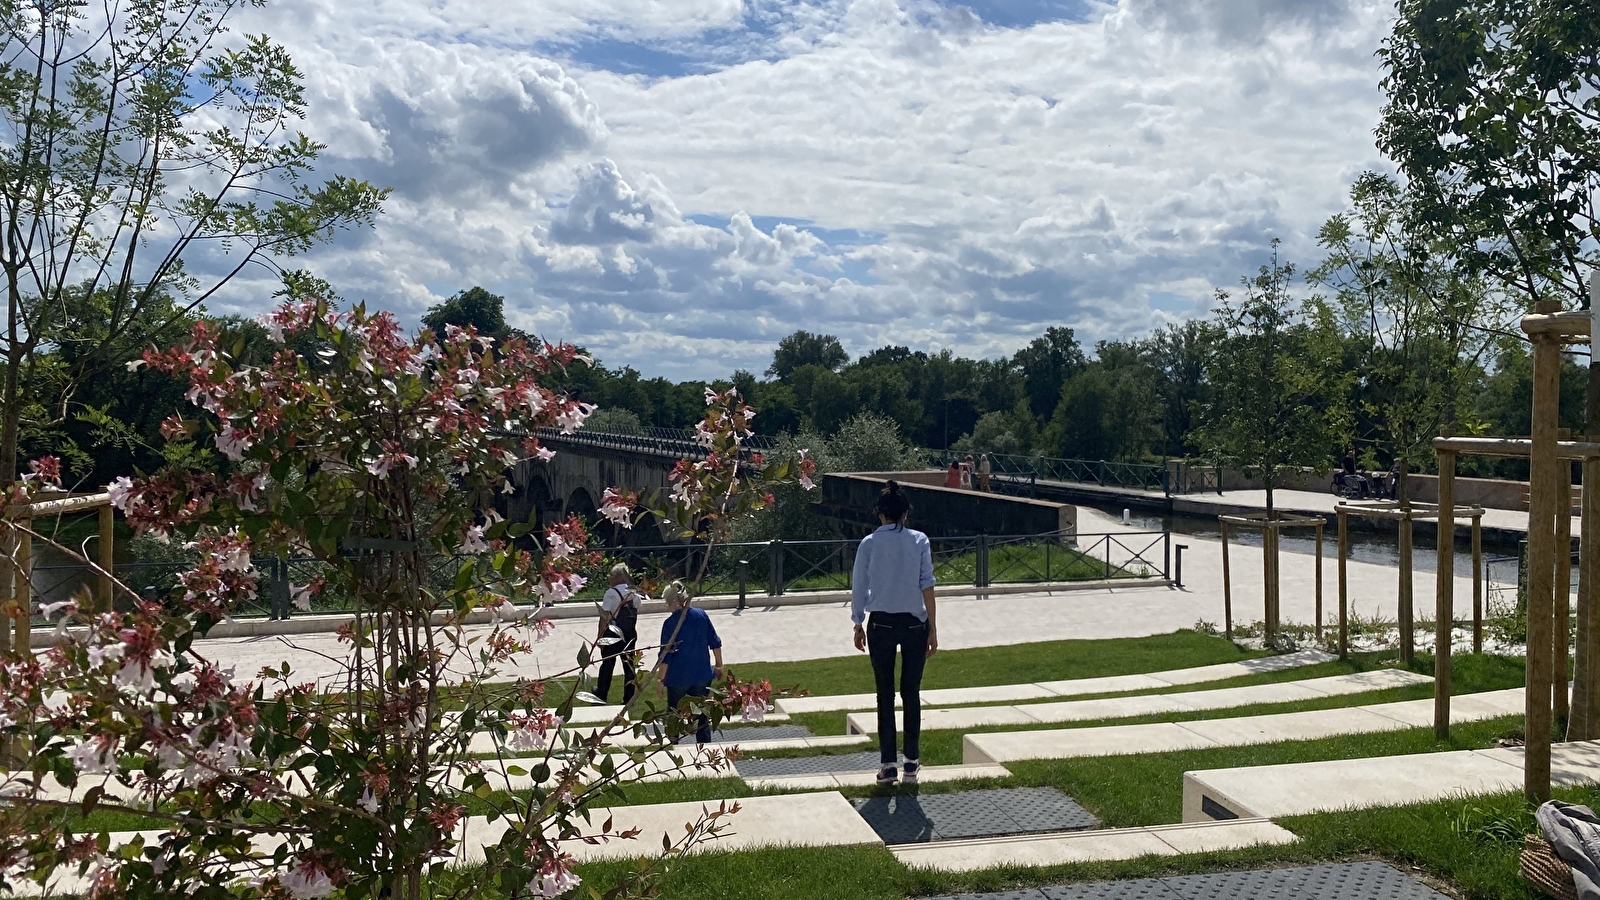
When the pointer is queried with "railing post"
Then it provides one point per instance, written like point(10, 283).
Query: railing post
point(1101, 472)
point(1177, 572)
point(1166, 554)
point(775, 572)
point(981, 575)
point(744, 572)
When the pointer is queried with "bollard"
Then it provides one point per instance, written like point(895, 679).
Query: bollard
point(1127, 517)
point(1177, 566)
point(744, 571)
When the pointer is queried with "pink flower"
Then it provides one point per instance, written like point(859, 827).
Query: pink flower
point(121, 491)
point(542, 629)
point(556, 877)
point(617, 507)
point(546, 454)
point(234, 442)
point(307, 880)
point(46, 469)
point(474, 542)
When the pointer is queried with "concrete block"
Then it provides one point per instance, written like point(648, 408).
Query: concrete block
point(1110, 684)
point(1111, 740)
point(832, 780)
point(1212, 837)
point(794, 820)
point(1298, 726)
point(1034, 850)
point(1357, 682)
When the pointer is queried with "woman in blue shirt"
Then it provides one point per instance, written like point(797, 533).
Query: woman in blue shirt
point(686, 667)
point(892, 594)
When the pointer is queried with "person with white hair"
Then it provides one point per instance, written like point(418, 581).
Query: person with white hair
point(619, 620)
point(691, 654)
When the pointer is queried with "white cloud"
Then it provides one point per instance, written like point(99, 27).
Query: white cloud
point(966, 185)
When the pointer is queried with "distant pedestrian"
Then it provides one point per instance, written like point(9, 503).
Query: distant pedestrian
point(952, 478)
point(619, 619)
point(687, 651)
point(892, 607)
point(984, 471)
point(966, 473)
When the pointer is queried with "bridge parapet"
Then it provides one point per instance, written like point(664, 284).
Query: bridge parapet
point(940, 511)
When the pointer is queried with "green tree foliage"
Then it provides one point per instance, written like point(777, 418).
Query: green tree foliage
point(806, 349)
point(136, 136)
point(1180, 356)
point(1411, 312)
point(1493, 114)
point(1277, 380)
point(1046, 364)
point(1108, 410)
point(475, 307)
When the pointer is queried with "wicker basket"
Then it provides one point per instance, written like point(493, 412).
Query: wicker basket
point(1543, 869)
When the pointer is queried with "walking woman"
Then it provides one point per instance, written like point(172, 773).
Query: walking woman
point(893, 610)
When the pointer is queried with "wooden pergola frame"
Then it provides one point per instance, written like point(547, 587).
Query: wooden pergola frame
point(1549, 517)
point(1270, 529)
point(19, 558)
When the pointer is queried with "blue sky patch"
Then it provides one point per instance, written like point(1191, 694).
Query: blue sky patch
point(628, 58)
point(1027, 13)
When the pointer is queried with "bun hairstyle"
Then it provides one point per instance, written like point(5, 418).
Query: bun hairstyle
point(892, 503)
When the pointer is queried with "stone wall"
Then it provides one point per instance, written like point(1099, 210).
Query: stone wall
point(940, 511)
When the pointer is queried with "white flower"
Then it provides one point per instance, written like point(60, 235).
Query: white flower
point(559, 548)
point(474, 542)
point(307, 881)
point(120, 489)
point(300, 596)
point(92, 757)
point(571, 420)
point(546, 454)
point(368, 802)
point(807, 483)
point(136, 675)
point(100, 654)
point(49, 610)
point(135, 364)
point(233, 443)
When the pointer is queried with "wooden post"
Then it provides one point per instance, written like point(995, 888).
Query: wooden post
point(1444, 595)
point(1319, 582)
point(23, 592)
point(1580, 722)
point(1477, 583)
point(1344, 587)
point(1408, 637)
point(1268, 624)
point(1561, 628)
point(1542, 502)
point(1227, 587)
point(107, 559)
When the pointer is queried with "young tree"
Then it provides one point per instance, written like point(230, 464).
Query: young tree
point(139, 138)
point(1274, 376)
point(376, 455)
point(1415, 310)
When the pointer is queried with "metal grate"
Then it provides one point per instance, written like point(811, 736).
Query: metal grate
point(915, 819)
point(807, 765)
point(1370, 880)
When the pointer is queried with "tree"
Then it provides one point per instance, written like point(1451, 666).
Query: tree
point(804, 348)
point(358, 454)
point(475, 307)
point(1273, 377)
point(1493, 114)
point(1108, 410)
point(1180, 356)
point(1046, 364)
point(1415, 310)
point(139, 138)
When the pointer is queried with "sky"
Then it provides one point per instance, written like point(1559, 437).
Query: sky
point(677, 184)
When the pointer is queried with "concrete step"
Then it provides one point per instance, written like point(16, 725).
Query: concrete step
point(1299, 788)
point(484, 742)
point(1152, 704)
point(1092, 846)
point(1044, 690)
point(827, 781)
point(1164, 737)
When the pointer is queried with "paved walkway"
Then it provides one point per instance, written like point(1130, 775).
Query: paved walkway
point(819, 631)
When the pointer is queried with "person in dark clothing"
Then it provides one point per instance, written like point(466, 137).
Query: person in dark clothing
point(893, 611)
point(691, 654)
point(619, 613)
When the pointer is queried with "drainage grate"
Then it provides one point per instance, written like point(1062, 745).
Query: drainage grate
point(1343, 881)
point(915, 819)
point(807, 765)
point(754, 733)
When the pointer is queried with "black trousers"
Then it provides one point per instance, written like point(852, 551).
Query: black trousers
point(623, 650)
point(888, 633)
point(675, 696)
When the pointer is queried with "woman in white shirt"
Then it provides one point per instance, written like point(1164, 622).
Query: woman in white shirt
point(619, 613)
point(893, 611)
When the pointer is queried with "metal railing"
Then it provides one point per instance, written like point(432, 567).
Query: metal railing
point(668, 441)
point(1138, 476)
point(765, 568)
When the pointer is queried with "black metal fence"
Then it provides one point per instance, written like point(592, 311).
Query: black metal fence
point(1030, 469)
point(770, 568)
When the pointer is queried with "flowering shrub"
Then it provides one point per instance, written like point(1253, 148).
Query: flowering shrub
point(370, 452)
